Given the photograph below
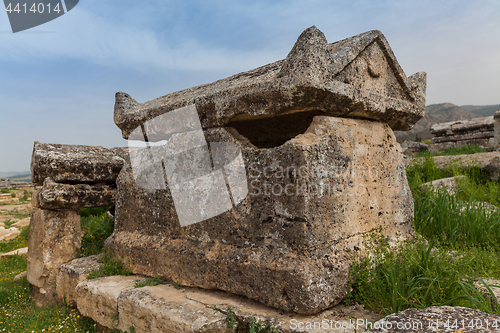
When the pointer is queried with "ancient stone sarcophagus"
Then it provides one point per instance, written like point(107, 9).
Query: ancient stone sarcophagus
point(262, 184)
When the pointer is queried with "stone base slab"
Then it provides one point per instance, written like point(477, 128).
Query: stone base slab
point(114, 302)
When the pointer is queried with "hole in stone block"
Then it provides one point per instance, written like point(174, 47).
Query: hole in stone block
point(272, 132)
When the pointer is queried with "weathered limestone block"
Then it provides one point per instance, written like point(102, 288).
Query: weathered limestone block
point(481, 124)
point(97, 298)
point(477, 129)
point(54, 237)
point(492, 285)
point(287, 243)
point(71, 274)
point(67, 196)
point(435, 319)
point(165, 309)
point(411, 148)
point(20, 252)
point(448, 184)
point(7, 234)
point(74, 164)
point(496, 129)
point(463, 137)
point(358, 77)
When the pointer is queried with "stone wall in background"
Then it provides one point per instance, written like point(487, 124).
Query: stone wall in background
point(477, 131)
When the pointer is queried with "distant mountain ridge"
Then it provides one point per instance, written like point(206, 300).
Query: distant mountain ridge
point(441, 113)
point(12, 174)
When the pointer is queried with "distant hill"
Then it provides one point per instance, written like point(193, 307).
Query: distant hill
point(441, 113)
point(482, 111)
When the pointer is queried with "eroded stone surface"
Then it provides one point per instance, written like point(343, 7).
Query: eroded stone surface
point(71, 274)
point(287, 243)
point(74, 164)
point(165, 309)
point(97, 298)
point(54, 237)
point(358, 77)
point(22, 223)
point(496, 129)
point(449, 184)
point(434, 319)
point(57, 196)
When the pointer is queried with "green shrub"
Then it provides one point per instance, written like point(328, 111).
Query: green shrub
point(97, 211)
point(96, 229)
point(4, 190)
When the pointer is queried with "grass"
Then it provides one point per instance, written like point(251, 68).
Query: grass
point(252, 326)
point(460, 150)
point(110, 266)
point(18, 313)
point(19, 242)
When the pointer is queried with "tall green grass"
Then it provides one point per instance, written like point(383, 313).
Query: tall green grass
point(444, 219)
point(414, 274)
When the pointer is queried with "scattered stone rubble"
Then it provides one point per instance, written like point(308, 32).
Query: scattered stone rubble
point(7, 183)
point(73, 177)
point(478, 131)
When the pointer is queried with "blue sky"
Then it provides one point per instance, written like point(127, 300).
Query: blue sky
point(58, 80)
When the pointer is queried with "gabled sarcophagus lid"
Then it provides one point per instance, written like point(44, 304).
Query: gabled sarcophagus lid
point(358, 77)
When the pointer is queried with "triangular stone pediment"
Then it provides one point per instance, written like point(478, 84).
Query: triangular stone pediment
point(371, 71)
